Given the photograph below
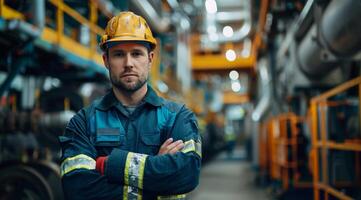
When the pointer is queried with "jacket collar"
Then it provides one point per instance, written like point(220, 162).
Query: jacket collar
point(110, 100)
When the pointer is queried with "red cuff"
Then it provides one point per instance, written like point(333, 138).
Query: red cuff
point(100, 164)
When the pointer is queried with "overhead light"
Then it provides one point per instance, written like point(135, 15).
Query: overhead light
point(230, 55)
point(184, 23)
point(233, 75)
point(236, 86)
point(227, 31)
point(211, 6)
point(211, 29)
point(213, 37)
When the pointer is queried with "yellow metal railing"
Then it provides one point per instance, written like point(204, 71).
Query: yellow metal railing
point(61, 9)
point(9, 13)
point(57, 37)
point(321, 142)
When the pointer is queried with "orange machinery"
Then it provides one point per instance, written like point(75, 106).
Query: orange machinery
point(280, 143)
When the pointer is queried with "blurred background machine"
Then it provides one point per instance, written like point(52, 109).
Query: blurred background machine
point(279, 79)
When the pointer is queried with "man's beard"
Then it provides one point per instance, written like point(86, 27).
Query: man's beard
point(129, 88)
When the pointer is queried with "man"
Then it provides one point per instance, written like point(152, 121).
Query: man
point(130, 144)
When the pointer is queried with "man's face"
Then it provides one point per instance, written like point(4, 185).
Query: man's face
point(128, 65)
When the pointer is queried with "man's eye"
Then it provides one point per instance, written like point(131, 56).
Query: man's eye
point(136, 54)
point(118, 54)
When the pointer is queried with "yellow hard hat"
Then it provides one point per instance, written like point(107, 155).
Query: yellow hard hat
point(127, 26)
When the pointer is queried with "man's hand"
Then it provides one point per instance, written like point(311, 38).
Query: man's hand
point(171, 147)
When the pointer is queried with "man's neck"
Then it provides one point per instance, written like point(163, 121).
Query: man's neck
point(130, 98)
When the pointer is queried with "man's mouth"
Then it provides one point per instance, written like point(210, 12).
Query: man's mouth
point(127, 75)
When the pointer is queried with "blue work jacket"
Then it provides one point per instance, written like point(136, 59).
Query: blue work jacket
point(131, 141)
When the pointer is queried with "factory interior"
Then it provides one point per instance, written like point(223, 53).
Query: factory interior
point(275, 86)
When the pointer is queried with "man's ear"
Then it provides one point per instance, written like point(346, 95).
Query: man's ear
point(105, 60)
point(151, 58)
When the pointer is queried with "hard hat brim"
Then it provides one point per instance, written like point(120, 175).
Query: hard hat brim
point(152, 43)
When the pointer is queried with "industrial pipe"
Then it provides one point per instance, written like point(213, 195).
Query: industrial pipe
point(38, 11)
point(35, 29)
point(240, 34)
point(264, 104)
point(56, 120)
point(339, 33)
point(341, 27)
point(158, 23)
point(305, 20)
point(312, 58)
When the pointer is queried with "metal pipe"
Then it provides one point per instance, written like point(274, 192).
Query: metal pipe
point(35, 29)
point(39, 14)
point(312, 58)
point(239, 34)
point(305, 20)
point(340, 29)
point(264, 104)
point(183, 29)
point(173, 4)
point(25, 27)
point(57, 120)
point(339, 35)
point(158, 23)
point(261, 107)
point(17, 66)
point(231, 16)
point(184, 72)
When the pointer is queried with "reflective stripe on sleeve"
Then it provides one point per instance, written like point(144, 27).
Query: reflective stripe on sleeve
point(191, 145)
point(132, 193)
point(173, 197)
point(133, 175)
point(80, 161)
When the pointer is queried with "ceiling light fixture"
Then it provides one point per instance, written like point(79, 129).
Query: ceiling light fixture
point(227, 31)
point(211, 6)
point(230, 55)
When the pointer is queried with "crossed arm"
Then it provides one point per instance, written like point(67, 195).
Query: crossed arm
point(171, 147)
point(172, 171)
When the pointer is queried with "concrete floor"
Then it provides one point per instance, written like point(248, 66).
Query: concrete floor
point(228, 179)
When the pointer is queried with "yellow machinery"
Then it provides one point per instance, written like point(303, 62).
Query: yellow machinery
point(336, 152)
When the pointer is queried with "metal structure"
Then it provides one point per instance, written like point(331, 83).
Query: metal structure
point(324, 145)
point(47, 55)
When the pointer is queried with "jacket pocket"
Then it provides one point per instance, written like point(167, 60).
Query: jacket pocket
point(150, 143)
point(109, 137)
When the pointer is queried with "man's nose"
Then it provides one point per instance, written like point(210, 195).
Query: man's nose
point(128, 60)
